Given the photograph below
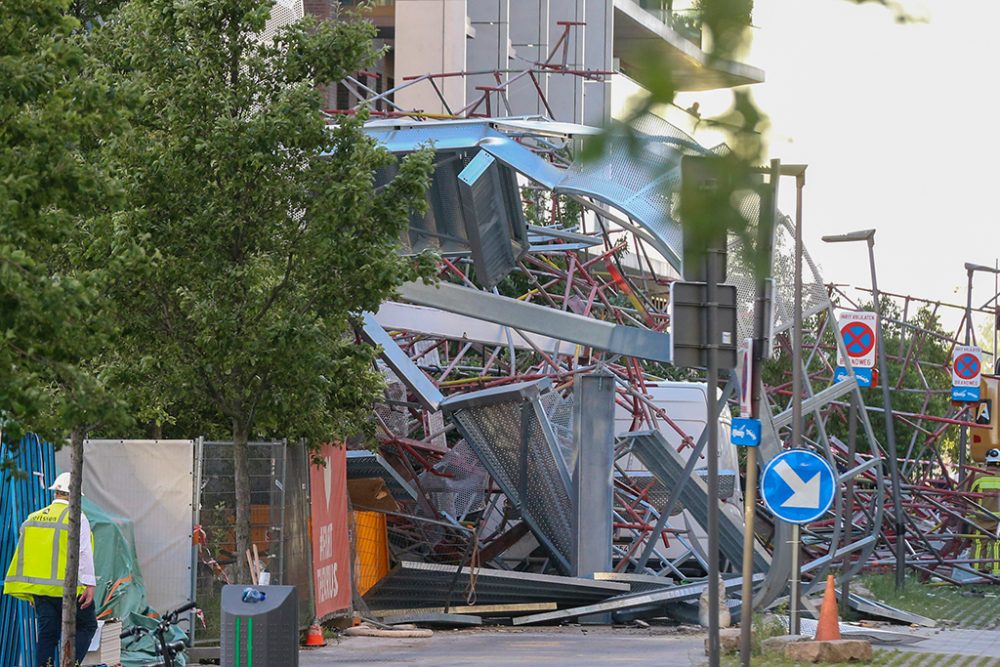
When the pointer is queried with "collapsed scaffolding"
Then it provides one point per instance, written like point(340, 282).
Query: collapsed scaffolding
point(477, 431)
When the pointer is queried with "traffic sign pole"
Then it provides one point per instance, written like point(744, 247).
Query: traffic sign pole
point(757, 346)
point(713, 462)
point(793, 606)
point(793, 596)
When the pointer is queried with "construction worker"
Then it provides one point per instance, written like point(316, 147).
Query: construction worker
point(37, 572)
point(989, 485)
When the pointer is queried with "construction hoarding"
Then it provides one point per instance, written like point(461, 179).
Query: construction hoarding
point(330, 531)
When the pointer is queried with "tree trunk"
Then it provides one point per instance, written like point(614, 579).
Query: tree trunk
point(68, 648)
point(241, 475)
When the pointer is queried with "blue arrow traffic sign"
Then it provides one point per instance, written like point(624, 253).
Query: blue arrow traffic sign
point(798, 486)
point(745, 432)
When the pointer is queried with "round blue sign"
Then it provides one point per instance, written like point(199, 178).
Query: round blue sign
point(798, 486)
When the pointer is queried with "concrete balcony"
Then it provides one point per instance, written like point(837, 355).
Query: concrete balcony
point(641, 35)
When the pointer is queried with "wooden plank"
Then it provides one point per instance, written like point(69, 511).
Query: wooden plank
point(478, 609)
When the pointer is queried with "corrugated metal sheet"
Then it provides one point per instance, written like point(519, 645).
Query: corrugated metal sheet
point(414, 585)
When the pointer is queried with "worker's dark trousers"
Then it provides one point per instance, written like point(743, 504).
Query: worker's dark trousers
point(49, 612)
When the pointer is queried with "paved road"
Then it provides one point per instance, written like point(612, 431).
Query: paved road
point(590, 647)
point(555, 647)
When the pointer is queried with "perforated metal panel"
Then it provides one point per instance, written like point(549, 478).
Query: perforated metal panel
point(559, 409)
point(459, 486)
point(740, 273)
point(509, 431)
point(494, 218)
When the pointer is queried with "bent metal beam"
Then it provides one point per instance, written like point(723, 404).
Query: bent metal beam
point(617, 339)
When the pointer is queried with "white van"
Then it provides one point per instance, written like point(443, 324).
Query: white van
point(684, 404)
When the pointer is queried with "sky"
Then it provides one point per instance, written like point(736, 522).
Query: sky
point(896, 123)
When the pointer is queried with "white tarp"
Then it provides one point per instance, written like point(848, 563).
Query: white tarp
point(150, 482)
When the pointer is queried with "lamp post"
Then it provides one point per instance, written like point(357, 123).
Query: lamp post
point(963, 440)
point(868, 235)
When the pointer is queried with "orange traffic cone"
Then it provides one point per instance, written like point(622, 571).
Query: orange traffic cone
point(314, 636)
point(829, 626)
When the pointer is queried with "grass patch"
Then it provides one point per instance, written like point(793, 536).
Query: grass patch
point(972, 606)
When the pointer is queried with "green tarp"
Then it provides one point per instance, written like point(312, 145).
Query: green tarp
point(121, 592)
point(120, 588)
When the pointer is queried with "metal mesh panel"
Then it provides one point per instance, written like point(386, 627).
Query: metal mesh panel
point(814, 295)
point(559, 410)
point(641, 185)
point(266, 461)
point(494, 432)
point(297, 548)
point(740, 273)
point(283, 13)
point(395, 417)
point(465, 489)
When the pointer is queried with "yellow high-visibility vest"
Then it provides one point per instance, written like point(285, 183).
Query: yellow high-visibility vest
point(987, 484)
point(39, 564)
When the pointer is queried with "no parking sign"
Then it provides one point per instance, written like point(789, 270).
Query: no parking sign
point(860, 339)
point(966, 367)
point(858, 331)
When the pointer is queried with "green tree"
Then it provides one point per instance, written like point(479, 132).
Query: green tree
point(260, 227)
point(919, 379)
point(53, 116)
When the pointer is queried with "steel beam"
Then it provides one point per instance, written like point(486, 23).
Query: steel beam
point(671, 594)
point(617, 339)
point(828, 395)
point(429, 395)
point(594, 434)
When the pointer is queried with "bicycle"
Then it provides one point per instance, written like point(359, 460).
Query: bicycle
point(167, 650)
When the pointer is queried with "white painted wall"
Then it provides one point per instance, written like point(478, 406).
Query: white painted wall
point(430, 38)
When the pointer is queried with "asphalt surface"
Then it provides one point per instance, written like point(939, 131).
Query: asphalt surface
point(576, 646)
point(553, 647)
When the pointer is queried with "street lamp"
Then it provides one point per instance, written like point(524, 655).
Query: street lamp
point(963, 440)
point(868, 235)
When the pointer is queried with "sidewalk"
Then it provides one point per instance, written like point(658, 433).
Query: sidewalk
point(554, 647)
point(978, 643)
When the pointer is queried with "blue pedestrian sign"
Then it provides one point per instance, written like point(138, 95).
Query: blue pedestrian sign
point(862, 375)
point(745, 432)
point(798, 486)
point(965, 395)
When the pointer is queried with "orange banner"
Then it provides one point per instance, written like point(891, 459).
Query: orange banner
point(331, 545)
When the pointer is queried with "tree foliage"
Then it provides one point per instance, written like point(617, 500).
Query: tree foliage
point(53, 118)
point(258, 225)
point(918, 374)
point(54, 338)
